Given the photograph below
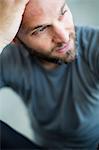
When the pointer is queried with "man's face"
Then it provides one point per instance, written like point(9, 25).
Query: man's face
point(47, 29)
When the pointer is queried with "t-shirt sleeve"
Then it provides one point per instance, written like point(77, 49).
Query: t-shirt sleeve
point(2, 82)
point(15, 71)
point(7, 67)
point(9, 72)
point(89, 42)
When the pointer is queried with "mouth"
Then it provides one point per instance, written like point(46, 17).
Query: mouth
point(65, 48)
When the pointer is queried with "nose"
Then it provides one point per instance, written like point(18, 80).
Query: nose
point(60, 35)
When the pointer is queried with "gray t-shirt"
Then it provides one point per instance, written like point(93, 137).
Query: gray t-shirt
point(63, 103)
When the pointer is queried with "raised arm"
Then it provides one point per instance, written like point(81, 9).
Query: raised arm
point(10, 18)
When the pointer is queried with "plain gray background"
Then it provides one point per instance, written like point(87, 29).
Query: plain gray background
point(12, 109)
point(85, 12)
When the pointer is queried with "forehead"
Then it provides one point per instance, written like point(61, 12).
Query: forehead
point(38, 11)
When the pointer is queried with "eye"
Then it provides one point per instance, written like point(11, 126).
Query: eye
point(39, 30)
point(64, 10)
point(62, 13)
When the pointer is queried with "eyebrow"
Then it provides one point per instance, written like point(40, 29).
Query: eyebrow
point(43, 25)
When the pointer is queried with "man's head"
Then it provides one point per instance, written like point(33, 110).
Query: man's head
point(48, 30)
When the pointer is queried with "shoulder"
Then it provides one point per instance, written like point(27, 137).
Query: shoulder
point(88, 46)
point(13, 52)
point(87, 35)
point(14, 61)
point(16, 69)
point(86, 30)
point(13, 57)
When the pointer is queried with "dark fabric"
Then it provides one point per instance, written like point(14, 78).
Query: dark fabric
point(10, 139)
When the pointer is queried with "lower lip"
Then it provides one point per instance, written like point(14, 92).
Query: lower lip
point(64, 50)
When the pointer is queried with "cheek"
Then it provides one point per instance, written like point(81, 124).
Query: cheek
point(40, 43)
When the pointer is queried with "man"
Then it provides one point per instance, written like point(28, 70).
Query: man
point(54, 66)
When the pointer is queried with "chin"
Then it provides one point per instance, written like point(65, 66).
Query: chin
point(67, 57)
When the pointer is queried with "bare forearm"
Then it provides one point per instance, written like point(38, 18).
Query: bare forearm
point(10, 18)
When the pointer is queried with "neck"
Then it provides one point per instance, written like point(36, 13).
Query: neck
point(48, 65)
